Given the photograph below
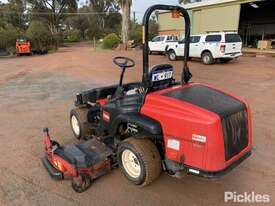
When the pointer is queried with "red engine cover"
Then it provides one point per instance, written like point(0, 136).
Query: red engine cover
point(196, 131)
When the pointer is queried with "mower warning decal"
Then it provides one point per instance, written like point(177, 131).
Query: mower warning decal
point(173, 144)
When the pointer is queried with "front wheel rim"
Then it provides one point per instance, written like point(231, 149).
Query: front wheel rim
point(131, 163)
point(75, 125)
point(172, 56)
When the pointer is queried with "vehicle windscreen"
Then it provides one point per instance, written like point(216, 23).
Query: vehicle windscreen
point(229, 38)
point(172, 38)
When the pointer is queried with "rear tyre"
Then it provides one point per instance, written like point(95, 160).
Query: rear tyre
point(224, 61)
point(139, 160)
point(207, 58)
point(79, 124)
point(172, 55)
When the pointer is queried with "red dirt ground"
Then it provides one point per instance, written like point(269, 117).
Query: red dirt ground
point(39, 91)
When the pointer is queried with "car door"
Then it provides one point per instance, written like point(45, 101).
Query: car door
point(153, 43)
point(212, 44)
point(161, 44)
point(157, 43)
point(194, 49)
point(195, 46)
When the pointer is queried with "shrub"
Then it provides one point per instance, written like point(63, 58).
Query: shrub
point(39, 35)
point(8, 36)
point(111, 41)
point(136, 33)
point(73, 36)
point(58, 39)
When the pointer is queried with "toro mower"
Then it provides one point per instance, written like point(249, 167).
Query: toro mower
point(153, 125)
point(23, 46)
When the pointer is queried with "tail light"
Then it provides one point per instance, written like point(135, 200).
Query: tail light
point(222, 48)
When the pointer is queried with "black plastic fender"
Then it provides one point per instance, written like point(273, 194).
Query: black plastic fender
point(147, 124)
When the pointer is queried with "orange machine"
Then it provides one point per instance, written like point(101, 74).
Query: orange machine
point(23, 46)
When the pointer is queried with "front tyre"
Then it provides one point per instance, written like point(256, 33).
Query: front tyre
point(78, 121)
point(139, 161)
point(172, 55)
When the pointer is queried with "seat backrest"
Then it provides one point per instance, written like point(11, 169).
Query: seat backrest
point(161, 76)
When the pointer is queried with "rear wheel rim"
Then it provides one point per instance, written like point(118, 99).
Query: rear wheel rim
point(206, 59)
point(75, 125)
point(131, 163)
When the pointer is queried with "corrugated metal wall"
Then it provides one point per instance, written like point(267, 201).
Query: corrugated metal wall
point(219, 18)
point(169, 25)
point(216, 19)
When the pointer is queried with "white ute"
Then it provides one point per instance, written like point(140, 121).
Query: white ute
point(223, 46)
point(160, 43)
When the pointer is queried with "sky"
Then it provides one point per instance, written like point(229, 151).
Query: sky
point(140, 6)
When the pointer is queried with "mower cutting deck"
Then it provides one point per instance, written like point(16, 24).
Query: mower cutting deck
point(82, 162)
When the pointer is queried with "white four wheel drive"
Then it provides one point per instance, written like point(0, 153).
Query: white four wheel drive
point(223, 46)
point(160, 43)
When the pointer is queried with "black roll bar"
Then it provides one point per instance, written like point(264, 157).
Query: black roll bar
point(186, 75)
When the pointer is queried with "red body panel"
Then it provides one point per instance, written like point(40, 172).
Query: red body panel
point(180, 120)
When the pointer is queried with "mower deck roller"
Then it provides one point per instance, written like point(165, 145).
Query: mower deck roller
point(153, 125)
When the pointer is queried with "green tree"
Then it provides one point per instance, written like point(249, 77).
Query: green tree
point(52, 11)
point(153, 28)
point(97, 19)
point(81, 22)
point(39, 35)
point(136, 30)
point(8, 36)
point(107, 16)
point(12, 13)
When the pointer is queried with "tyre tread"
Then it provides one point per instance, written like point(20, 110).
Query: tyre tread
point(150, 156)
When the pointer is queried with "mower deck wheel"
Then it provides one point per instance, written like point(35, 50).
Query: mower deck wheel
point(139, 160)
point(81, 183)
point(79, 124)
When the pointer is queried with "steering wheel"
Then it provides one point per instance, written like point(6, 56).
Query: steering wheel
point(124, 62)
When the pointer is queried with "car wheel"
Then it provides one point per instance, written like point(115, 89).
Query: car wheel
point(139, 161)
point(79, 124)
point(207, 58)
point(172, 55)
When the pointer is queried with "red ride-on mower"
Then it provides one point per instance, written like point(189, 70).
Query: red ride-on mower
point(163, 124)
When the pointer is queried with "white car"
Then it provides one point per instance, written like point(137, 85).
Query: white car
point(160, 43)
point(223, 46)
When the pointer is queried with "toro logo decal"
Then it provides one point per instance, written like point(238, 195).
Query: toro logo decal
point(106, 116)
